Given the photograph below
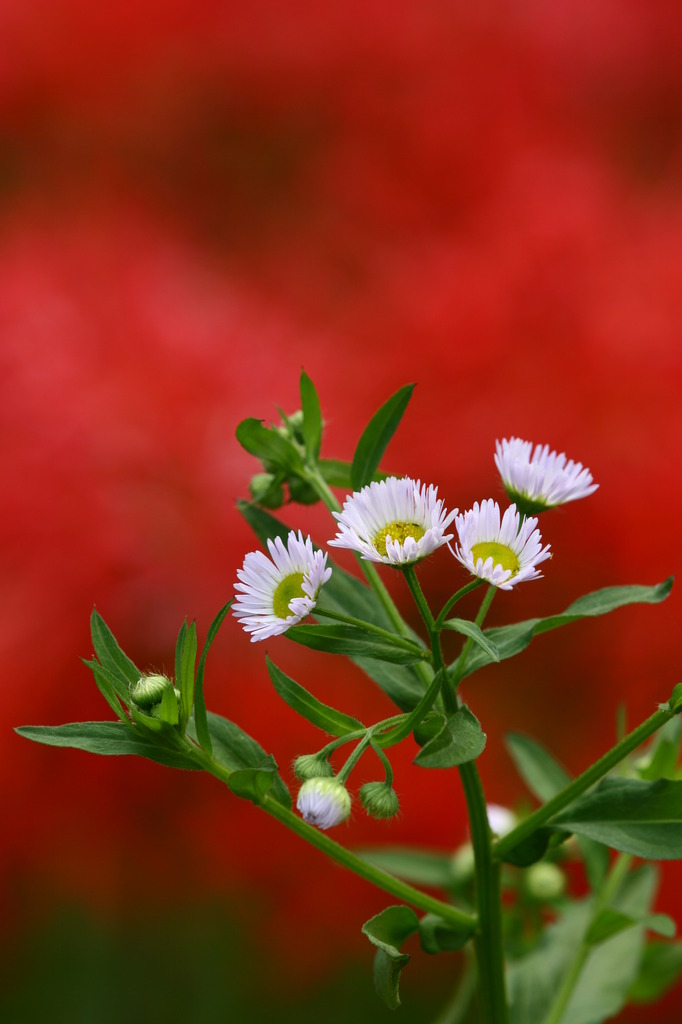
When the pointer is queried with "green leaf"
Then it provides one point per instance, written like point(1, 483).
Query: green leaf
point(200, 720)
point(336, 473)
point(254, 783)
point(185, 661)
point(418, 867)
point(631, 815)
point(471, 630)
point(324, 717)
point(346, 593)
point(107, 688)
point(660, 969)
point(376, 436)
point(609, 922)
point(355, 642)
point(439, 936)
point(529, 850)
point(312, 417)
point(534, 982)
point(460, 740)
point(274, 451)
point(660, 760)
point(109, 738)
point(387, 931)
point(510, 640)
point(543, 775)
point(236, 750)
point(111, 656)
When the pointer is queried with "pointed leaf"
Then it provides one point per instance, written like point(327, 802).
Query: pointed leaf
point(387, 931)
point(460, 740)
point(419, 867)
point(200, 721)
point(530, 850)
point(110, 654)
point(543, 775)
point(660, 969)
point(109, 738)
point(324, 717)
point(185, 661)
point(510, 640)
point(609, 922)
point(376, 436)
point(355, 642)
point(254, 783)
point(107, 688)
point(312, 417)
point(473, 631)
point(631, 815)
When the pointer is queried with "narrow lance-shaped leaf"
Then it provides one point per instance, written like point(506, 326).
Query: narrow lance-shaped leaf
point(185, 660)
point(355, 642)
point(376, 437)
point(475, 633)
point(107, 688)
point(510, 640)
point(109, 738)
point(631, 815)
point(110, 654)
point(387, 931)
point(334, 722)
point(312, 417)
point(200, 719)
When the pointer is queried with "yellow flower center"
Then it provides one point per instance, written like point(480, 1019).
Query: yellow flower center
point(287, 589)
point(501, 555)
point(397, 532)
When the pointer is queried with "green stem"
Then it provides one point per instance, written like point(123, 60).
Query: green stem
point(611, 886)
point(583, 782)
point(411, 721)
point(399, 641)
point(460, 664)
point(376, 876)
point(355, 757)
point(466, 589)
point(388, 767)
point(488, 939)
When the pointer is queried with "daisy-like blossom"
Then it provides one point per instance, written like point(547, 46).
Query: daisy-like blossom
point(538, 479)
point(500, 549)
point(397, 521)
point(323, 802)
point(277, 592)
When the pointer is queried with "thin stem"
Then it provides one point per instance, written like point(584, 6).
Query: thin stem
point(378, 877)
point(355, 757)
point(418, 595)
point(399, 641)
point(460, 664)
point(466, 589)
point(410, 722)
point(583, 782)
point(611, 886)
point(388, 767)
point(488, 939)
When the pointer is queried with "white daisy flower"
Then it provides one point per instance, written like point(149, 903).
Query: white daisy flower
point(540, 479)
point(502, 551)
point(277, 592)
point(396, 521)
point(323, 802)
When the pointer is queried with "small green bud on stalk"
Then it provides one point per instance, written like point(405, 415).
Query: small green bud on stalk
point(544, 882)
point(266, 491)
point(379, 799)
point(149, 690)
point(312, 766)
point(323, 802)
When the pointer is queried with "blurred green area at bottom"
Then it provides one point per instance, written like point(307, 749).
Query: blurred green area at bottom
point(195, 965)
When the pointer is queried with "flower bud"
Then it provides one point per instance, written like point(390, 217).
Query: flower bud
point(323, 802)
point(379, 799)
point(266, 491)
point(292, 428)
point(312, 766)
point(544, 881)
point(148, 690)
point(168, 709)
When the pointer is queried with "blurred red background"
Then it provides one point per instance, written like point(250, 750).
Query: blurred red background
point(197, 200)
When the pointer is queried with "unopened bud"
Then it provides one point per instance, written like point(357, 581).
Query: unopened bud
point(312, 766)
point(544, 881)
point(148, 690)
point(167, 710)
point(323, 802)
point(266, 491)
point(379, 799)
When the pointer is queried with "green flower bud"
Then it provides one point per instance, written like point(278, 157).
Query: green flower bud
point(167, 710)
point(266, 491)
point(323, 802)
point(312, 766)
point(379, 799)
point(544, 881)
point(292, 428)
point(301, 492)
point(148, 690)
